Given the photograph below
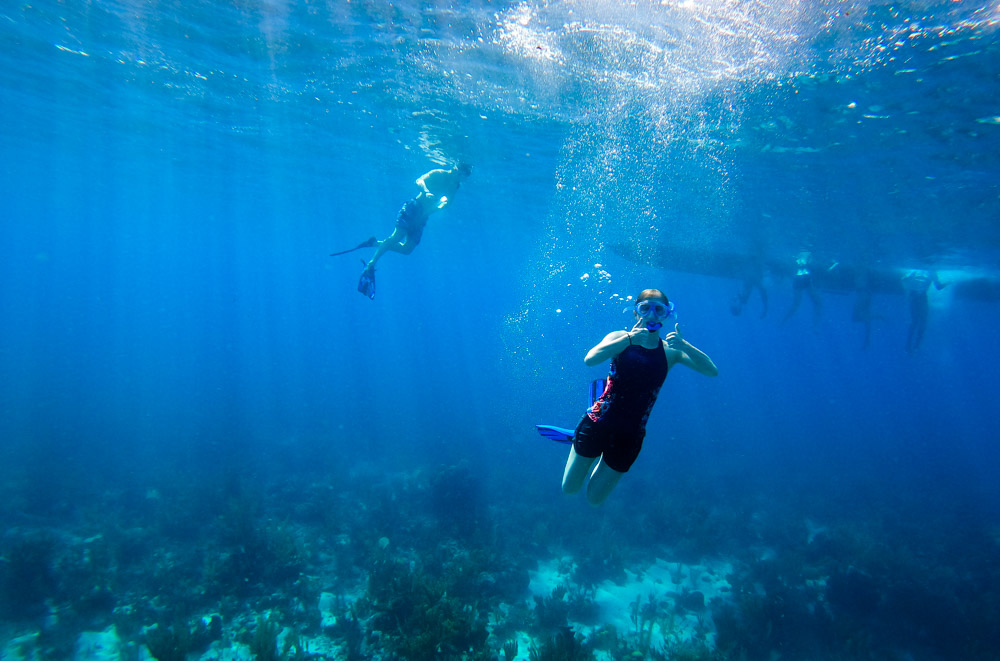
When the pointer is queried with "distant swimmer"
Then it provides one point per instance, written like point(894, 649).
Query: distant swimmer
point(437, 188)
point(612, 430)
point(754, 279)
point(917, 283)
point(862, 312)
point(802, 283)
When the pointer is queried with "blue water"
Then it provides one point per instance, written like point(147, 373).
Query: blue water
point(174, 176)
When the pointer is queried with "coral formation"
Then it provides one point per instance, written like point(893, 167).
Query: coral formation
point(400, 582)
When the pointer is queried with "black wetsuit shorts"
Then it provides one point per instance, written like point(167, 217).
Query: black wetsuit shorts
point(615, 425)
point(412, 219)
point(618, 448)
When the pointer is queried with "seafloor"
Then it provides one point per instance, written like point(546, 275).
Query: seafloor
point(434, 565)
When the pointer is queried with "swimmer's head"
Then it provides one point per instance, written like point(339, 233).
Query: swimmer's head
point(464, 169)
point(653, 306)
point(647, 294)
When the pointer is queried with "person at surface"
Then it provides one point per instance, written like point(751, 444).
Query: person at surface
point(802, 283)
point(612, 430)
point(754, 279)
point(917, 283)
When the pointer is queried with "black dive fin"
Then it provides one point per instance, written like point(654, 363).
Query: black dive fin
point(369, 243)
point(366, 284)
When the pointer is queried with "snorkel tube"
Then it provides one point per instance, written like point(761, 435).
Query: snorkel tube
point(653, 326)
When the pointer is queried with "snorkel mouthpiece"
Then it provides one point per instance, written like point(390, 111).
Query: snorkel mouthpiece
point(654, 326)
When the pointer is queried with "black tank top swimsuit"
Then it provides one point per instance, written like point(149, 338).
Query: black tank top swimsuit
point(635, 379)
point(613, 428)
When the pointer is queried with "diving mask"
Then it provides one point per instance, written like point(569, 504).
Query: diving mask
point(652, 311)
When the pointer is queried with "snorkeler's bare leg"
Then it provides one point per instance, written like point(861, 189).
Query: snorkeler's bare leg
point(392, 243)
point(796, 299)
point(602, 482)
point(746, 291)
point(916, 334)
point(577, 468)
point(406, 248)
point(817, 306)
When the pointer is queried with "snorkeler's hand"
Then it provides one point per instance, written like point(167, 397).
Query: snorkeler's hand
point(638, 333)
point(675, 339)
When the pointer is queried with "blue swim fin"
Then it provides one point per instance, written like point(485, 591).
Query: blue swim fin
point(597, 388)
point(563, 435)
point(366, 285)
point(558, 434)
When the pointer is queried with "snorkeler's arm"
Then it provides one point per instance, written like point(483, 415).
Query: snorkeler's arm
point(422, 183)
point(430, 180)
point(937, 283)
point(689, 355)
point(697, 360)
point(613, 344)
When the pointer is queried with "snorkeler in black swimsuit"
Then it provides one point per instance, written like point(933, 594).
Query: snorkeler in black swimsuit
point(616, 424)
point(613, 429)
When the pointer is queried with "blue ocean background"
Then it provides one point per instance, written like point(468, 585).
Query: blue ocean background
point(201, 417)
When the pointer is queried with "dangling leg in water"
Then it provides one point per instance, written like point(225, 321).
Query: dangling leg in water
point(602, 479)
